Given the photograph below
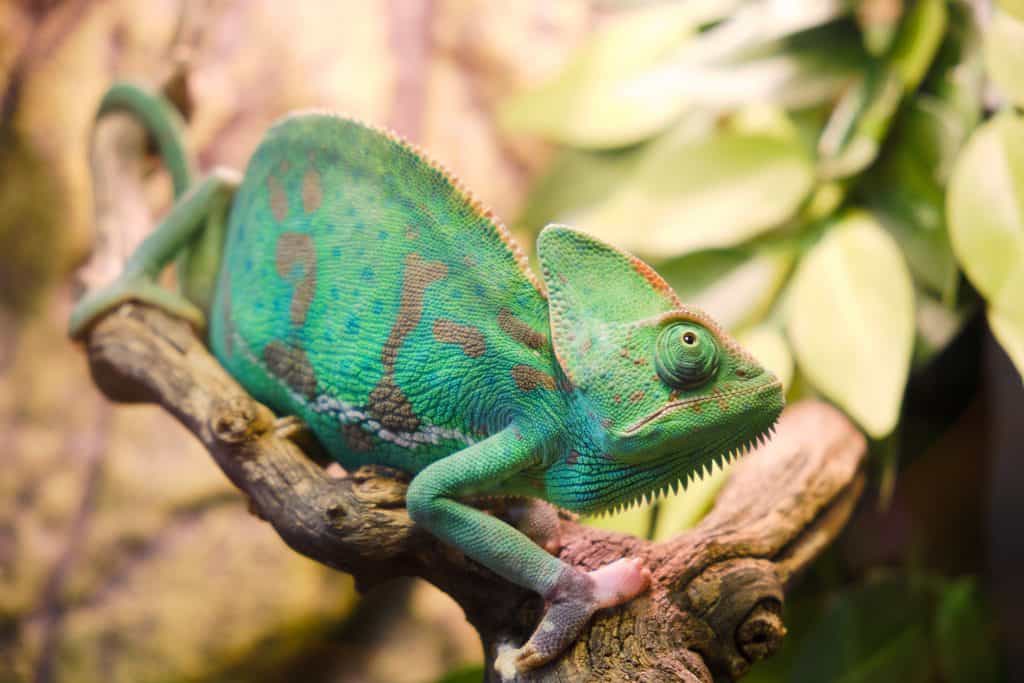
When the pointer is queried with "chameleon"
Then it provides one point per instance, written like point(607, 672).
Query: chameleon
point(350, 280)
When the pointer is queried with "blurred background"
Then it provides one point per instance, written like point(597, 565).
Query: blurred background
point(841, 183)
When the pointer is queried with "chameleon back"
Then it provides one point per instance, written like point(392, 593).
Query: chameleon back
point(363, 290)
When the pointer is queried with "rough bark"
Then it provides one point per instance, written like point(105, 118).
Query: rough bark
point(716, 602)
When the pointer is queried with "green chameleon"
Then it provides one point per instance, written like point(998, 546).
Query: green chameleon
point(350, 280)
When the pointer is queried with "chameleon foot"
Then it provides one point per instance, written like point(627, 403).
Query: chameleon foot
point(95, 304)
point(570, 606)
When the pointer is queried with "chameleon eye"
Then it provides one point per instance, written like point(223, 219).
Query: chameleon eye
point(685, 356)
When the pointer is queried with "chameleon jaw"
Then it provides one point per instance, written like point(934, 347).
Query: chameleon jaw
point(668, 408)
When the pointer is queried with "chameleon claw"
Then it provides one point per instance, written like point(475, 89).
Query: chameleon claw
point(570, 607)
point(619, 581)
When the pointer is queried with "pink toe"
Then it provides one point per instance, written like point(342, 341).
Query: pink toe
point(620, 581)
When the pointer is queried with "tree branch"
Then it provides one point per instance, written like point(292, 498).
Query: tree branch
point(716, 601)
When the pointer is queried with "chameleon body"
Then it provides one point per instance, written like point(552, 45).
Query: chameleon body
point(361, 288)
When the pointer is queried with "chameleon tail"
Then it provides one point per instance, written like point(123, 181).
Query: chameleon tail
point(161, 120)
point(193, 230)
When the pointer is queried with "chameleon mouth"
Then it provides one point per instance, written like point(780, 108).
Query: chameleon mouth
point(667, 479)
point(775, 385)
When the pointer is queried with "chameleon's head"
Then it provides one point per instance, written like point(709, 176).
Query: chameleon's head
point(673, 391)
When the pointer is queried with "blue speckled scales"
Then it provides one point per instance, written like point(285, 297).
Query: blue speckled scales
point(363, 290)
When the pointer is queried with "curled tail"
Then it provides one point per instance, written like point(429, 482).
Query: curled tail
point(161, 120)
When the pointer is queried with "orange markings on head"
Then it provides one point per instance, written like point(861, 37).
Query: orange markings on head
point(655, 280)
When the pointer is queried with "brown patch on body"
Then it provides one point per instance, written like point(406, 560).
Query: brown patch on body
point(294, 248)
point(528, 378)
point(468, 337)
point(391, 407)
point(278, 198)
point(312, 190)
point(356, 438)
point(519, 331)
point(292, 366)
point(573, 458)
point(388, 403)
point(636, 396)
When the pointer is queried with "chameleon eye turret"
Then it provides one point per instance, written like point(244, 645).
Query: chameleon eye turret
point(686, 355)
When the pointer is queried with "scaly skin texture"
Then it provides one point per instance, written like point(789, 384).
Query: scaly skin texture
point(362, 289)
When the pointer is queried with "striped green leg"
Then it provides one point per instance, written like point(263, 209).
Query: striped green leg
point(572, 596)
point(203, 206)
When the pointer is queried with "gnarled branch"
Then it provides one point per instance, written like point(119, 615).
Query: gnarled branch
point(717, 595)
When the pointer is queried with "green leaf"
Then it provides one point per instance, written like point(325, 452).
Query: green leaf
point(854, 134)
point(958, 75)
point(1004, 58)
point(965, 650)
point(1009, 331)
point(936, 325)
point(985, 207)
point(1014, 7)
point(874, 634)
point(918, 40)
point(600, 99)
point(859, 122)
point(906, 189)
point(681, 511)
point(769, 347)
point(474, 673)
point(851, 321)
point(717, 191)
point(736, 286)
point(577, 179)
point(802, 71)
point(879, 24)
point(638, 75)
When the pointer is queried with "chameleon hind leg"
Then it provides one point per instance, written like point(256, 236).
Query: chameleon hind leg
point(572, 596)
point(204, 206)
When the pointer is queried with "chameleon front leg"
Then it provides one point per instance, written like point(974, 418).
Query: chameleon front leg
point(205, 205)
point(572, 596)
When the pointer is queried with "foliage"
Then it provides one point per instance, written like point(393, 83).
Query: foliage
point(473, 673)
point(891, 628)
point(817, 174)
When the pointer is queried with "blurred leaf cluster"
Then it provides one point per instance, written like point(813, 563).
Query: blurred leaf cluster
point(816, 174)
point(892, 628)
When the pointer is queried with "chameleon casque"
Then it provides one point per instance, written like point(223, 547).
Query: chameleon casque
point(351, 281)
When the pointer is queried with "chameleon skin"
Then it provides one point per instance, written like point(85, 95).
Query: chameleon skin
point(361, 288)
